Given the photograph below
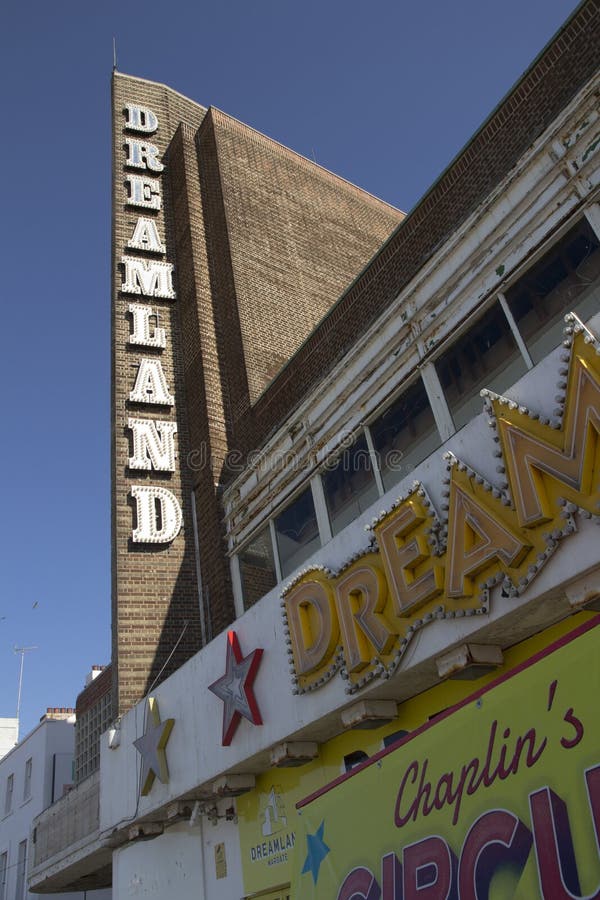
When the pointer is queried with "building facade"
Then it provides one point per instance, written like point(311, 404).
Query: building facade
point(9, 733)
point(34, 774)
point(354, 484)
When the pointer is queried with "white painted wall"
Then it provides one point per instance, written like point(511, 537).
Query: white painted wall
point(50, 747)
point(179, 864)
point(9, 729)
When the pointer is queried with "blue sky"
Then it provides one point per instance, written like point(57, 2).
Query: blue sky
point(384, 94)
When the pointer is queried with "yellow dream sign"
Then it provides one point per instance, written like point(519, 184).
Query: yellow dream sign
point(422, 567)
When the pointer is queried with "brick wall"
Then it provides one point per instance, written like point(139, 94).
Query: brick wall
point(263, 242)
point(154, 587)
point(203, 264)
point(94, 691)
point(297, 235)
point(257, 582)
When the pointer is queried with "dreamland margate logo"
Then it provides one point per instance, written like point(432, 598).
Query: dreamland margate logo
point(278, 840)
point(148, 275)
point(421, 568)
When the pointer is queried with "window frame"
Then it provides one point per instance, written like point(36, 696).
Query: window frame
point(3, 874)
point(265, 526)
point(21, 885)
point(289, 501)
point(27, 779)
point(411, 379)
point(9, 793)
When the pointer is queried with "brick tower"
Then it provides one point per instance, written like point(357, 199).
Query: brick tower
point(228, 249)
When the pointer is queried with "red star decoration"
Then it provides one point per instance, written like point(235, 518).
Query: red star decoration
point(235, 688)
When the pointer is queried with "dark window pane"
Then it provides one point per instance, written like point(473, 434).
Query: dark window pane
point(404, 435)
point(257, 568)
point(351, 760)
point(349, 485)
point(394, 737)
point(297, 532)
point(566, 279)
point(21, 871)
point(486, 356)
point(3, 871)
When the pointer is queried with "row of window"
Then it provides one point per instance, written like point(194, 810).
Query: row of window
point(21, 883)
point(517, 331)
point(10, 787)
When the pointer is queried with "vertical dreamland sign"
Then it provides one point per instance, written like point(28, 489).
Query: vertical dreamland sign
point(499, 797)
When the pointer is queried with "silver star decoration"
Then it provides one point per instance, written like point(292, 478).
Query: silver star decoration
point(235, 688)
point(151, 747)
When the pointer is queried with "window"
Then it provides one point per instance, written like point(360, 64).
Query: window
point(89, 725)
point(257, 568)
point(394, 737)
point(27, 779)
point(21, 871)
point(351, 760)
point(566, 279)
point(349, 485)
point(486, 356)
point(3, 875)
point(404, 434)
point(297, 532)
point(10, 781)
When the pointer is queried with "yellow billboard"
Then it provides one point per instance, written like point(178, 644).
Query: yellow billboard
point(498, 797)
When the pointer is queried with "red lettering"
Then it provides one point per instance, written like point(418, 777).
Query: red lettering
point(555, 855)
point(495, 838)
point(456, 798)
point(423, 793)
point(533, 754)
point(391, 877)
point(359, 884)
point(498, 838)
point(443, 791)
point(485, 772)
point(571, 719)
point(592, 784)
point(429, 867)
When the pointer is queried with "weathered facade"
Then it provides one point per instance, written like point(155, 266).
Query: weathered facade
point(389, 491)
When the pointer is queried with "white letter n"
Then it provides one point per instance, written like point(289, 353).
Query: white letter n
point(153, 444)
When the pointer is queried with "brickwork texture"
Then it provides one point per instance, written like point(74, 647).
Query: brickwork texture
point(263, 243)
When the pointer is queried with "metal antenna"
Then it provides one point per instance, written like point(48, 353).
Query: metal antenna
point(22, 651)
point(114, 54)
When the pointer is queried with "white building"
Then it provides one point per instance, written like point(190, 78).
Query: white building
point(9, 732)
point(33, 775)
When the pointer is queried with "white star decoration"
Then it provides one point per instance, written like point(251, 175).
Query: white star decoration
point(151, 747)
point(235, 688)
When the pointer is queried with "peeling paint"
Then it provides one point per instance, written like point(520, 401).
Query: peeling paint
point(591, 148)
point(500, 271)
